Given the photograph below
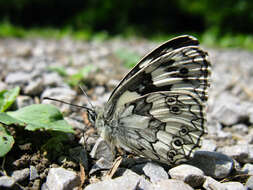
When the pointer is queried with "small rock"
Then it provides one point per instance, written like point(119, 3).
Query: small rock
point(189, 174)
point(79, 154)
point(171, 184)
point(240, 128)
point(52, 79)
point(228, 110)
point(129, 181)
point(18, 78)
point(234, 186)
point(247, 169)
point(6, 181)
point(20, 175)
point(3, 86)
point(34, 88)
point(99, 90)
point(213, 164)
point(242, 152)
point(64, 94)
point(155, 172)
point(23, 101)
point(101, 164)
point(208, 145)
point(212, 184)
point(249, 183)
point(62, 179)
point(102, 149)
point(36, 185)
point(33, 173)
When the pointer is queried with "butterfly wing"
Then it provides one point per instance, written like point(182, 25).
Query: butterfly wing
point(158, 108)
point(164, 126)
point(179, 64)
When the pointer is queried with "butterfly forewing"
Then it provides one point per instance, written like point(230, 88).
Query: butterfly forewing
point(158, 109)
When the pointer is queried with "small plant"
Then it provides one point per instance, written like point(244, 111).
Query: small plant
point(44, 117)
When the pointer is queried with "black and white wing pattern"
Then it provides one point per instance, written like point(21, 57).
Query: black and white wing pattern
point(158, 109)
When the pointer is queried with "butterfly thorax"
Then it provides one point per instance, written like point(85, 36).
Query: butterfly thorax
point(106, 128)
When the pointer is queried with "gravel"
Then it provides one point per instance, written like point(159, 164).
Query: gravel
point(45, 67)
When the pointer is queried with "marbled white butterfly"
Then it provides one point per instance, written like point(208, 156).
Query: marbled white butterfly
point(158, 109)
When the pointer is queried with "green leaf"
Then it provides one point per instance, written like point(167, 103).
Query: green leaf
point(8, 120)
point(7, 97)
point(41, 116)
point(6, 141)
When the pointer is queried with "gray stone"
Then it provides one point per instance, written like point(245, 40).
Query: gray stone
point(102, 149)
point(20, 175)
point(171, 184)
point(33, 173)
point(228, 110)
point(240, 129)
point(249, 183)
point(18, 78)
point(79, 154)
point(6, 181)
point(155, 172)
point(189, 174)
point(212, 184)
point(242, 152)
point(23, 101)
point(234, 186)
point(213, 164)
point(62, 179)
point(59, 93)
point(52, 79)
point(101, 164)
point(129, 181)
point(34, 88)
point(208, 145)
point(247, 169)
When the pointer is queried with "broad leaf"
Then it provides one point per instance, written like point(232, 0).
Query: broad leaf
point(7, 97)
point(41, 116)
point(6, 141)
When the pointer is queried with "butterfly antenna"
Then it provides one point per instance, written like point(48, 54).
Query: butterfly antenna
point(87, 97)
point(88, 109)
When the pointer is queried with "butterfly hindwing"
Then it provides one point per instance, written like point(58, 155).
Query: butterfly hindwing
point(164, 126)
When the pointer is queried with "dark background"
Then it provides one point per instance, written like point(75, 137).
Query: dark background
point(147, 17)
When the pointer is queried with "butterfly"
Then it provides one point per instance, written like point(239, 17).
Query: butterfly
point(158, 109)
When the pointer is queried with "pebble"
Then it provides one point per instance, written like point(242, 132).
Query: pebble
point(249, 183)
point(189, 174)
point(20, 175)
point(242, 152)
point(129, 181)
point(208, 145)
point(6, 181)
point(234, 186)
point(155, 172)
point(247, 169)
point(18, 78)
point(213, 164)
point(23, 101)
point(101, 164)
point(212, 184)
point(79, 154)
point(102, 149)
point(171, 184)
point(62, 179)
point(33, 173)
point(34, 87)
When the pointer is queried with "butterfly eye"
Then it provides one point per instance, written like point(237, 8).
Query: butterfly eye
point(171, 100)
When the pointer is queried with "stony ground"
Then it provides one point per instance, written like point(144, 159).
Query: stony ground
point(224, 162)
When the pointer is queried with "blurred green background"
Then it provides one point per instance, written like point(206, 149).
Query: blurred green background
point(223, 23)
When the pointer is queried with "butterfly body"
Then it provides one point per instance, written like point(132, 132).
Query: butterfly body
point(158, 109)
